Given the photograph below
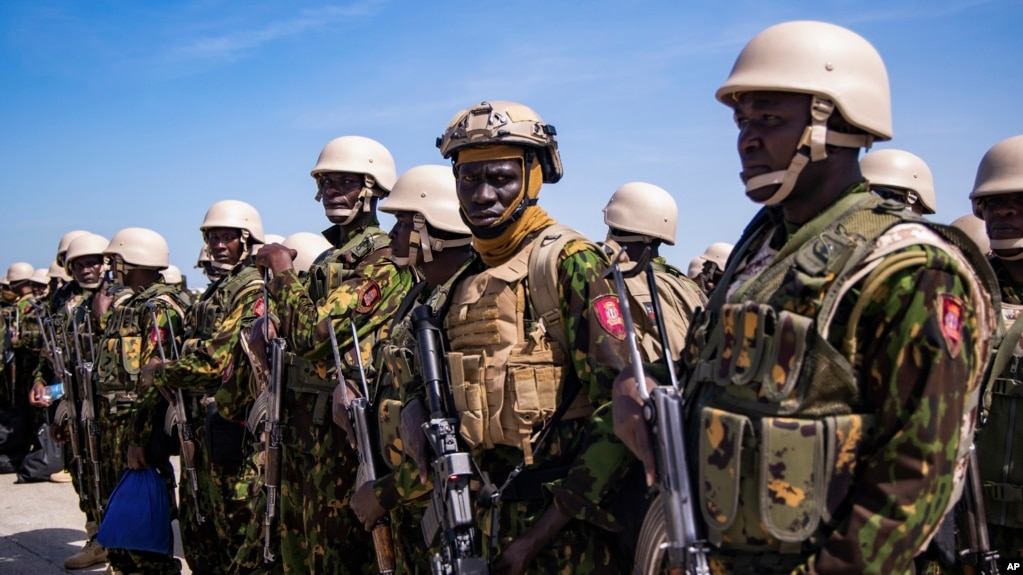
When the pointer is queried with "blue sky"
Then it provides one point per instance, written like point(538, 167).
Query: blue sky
point(116, 114)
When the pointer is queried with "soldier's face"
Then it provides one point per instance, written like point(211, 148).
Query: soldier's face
point(1003, 217)
point(487, 189)
point(770, 126)
point(340, 193)
point(87, 269)
point(400, 234)
point(225, 245)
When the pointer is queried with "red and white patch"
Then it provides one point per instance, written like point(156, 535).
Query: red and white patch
point(609, 315)
point(260, 308)
point(228, 371)
point(951, 321)
point(158, 336)
point(369, 296)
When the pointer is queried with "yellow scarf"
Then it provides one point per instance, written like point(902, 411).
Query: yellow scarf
point(496, 251)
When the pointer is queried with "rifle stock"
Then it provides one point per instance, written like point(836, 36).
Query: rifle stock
point(978, 558)
point(450, 511)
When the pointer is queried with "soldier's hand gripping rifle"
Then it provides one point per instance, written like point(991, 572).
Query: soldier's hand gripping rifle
point(663, 410)
point(359, 411)
point(83, 372)
point(176, 415)
point(66, 414)
point(450, 513)
point(978, 557)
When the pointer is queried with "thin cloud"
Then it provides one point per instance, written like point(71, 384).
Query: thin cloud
point(232, 46)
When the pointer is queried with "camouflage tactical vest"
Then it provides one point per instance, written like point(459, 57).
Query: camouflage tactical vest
point(507, 371)
point(780, 417)
point(205, 316)
point(119, 359)
point(999, 443)
point(327, 273)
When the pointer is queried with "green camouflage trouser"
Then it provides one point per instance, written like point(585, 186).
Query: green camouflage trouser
point(320, 532)
point(204, 551)
point(114, 453)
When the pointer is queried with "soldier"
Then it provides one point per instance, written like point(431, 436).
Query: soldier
point(125, 411)
point(832, 376)
point(901, 176)
point(82, 255)
point(25, 343)
point(172, 277)
point(232, 231)
point(40, 281)
point(58, 277)
point(356, 282)
point(205, 263)
point(536, 338)
point(429, 235)
point(712, 266)
point(998, 199)
point(641, 216)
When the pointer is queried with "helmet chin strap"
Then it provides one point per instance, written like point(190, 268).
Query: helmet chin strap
point(812, 148)
point(1005, 245)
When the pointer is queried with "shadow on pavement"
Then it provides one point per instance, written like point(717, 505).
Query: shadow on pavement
point(41, 551)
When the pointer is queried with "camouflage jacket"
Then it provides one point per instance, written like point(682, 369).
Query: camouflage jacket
point(61, 303)
point(880, 410)
point(213, 330)
point(130, 340)
point(357, 282)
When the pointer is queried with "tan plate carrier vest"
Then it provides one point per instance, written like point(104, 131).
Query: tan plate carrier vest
point(507, 372)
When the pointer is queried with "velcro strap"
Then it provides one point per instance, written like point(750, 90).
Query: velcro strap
point(1003, 491)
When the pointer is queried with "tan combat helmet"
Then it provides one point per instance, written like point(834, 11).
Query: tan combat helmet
point(718, 253)
point(309, 247)
point(903, 173)
point(269, 239)
point(19, 272)
point(140, 248)
point(356, 155)
point(647, 211)
point(503, 122)
point(1000, 172)
point(87, 244)
point(238, 215)
point(65, 241)
point(56, 271)
point(696, 266)
point(205, 263)
point(974, 227)
point(171, 275)
point(836, 66)
point(40, 276)
point(429, 192)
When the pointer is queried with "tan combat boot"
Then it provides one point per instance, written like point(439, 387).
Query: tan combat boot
point(91, 554)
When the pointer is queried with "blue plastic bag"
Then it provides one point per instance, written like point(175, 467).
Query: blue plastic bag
point(138, 514)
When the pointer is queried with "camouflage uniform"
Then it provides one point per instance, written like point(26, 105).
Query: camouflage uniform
point(25, 343)
point(878, 409)
point(1001, 480)
point(400, 491)
point(581, 464)
point(123, 411)
point(355, 282)
point(207, 360)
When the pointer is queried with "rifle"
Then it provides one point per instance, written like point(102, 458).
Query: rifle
point(978, 557)
point(687, 550)
point(176, 416)
point(66, 414)
point(83, 372)
point(358, 415)
point(266, 410)
point(450, 510)
point(12, 315)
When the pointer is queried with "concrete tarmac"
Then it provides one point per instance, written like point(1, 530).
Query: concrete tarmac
point(40, 526)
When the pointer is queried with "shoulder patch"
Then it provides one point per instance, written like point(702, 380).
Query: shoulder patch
point(369, 296)
point(158, 336)
point(609, 315)
point(260, 308)
point(950, 309)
